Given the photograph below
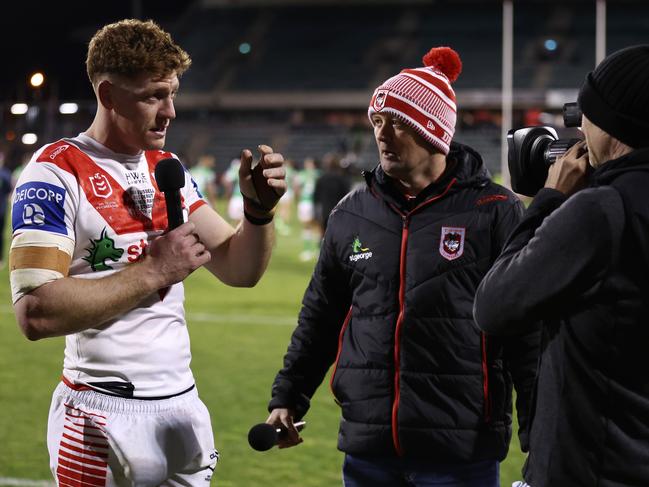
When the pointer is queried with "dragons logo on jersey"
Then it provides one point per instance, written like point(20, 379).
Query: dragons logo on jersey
point(101, 249)
point(359, 252)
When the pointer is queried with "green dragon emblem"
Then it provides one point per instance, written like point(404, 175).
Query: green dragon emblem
point(357, 246)
point(101, 249)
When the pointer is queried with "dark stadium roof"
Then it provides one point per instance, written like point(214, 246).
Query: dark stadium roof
point(52, 36)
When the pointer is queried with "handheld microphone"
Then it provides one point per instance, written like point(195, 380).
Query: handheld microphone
point(170, 177)
point(264, 436)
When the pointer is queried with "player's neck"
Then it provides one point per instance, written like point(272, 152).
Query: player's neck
point(106, 134)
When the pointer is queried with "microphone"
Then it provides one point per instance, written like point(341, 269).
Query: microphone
point(264, 436)
point(170, 177)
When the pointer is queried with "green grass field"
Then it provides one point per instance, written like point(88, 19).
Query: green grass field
point(239, 337)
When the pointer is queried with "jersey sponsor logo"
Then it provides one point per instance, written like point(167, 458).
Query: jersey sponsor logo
point(137, 251)
point(100, 185)
point(100, 250)
point(379, 100)
point(38, 205)
point(33, 214)
point(58, 150)
point(137, 178)
point(359, 252)
point(139, 201)
point(451, 244)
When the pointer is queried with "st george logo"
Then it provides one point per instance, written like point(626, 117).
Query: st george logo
point(33, 214)
point(100, 185)
point(451, 244)
point(101, 249)
point(359, 252)
point(379, 100)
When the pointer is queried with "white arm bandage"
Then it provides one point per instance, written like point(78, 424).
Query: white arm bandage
point(37, 258)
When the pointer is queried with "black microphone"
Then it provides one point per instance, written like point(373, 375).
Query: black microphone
point(170, 177)
point(264, 436)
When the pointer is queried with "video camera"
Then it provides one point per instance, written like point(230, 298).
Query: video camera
point(532, 150)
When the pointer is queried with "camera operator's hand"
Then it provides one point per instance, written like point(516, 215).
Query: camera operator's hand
point(569, 173)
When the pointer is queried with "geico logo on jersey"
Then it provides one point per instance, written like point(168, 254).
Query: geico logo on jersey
point(39, 205)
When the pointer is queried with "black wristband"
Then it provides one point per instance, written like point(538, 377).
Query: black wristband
point(257, 221)
point(254, 205)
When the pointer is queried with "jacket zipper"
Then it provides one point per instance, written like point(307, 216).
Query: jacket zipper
point(402, 309)
point(340, 348)
point(485, 379)
point(397, 336)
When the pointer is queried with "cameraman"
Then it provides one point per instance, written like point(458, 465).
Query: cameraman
point(579, 261)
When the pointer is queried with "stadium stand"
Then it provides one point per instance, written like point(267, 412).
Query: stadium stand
point(258, 66)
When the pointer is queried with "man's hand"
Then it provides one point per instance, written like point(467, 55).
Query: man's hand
point(283, 418)
point(176, 254)
point(263, 186)
point(569, 173)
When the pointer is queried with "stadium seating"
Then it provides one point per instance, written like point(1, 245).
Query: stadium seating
point(323, 51)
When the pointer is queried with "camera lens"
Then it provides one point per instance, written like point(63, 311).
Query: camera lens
point(556, 149)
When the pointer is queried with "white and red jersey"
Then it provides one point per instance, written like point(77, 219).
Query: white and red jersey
point(110, 206)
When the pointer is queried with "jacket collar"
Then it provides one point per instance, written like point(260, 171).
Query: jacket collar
point(464, 165)
point(638, 160)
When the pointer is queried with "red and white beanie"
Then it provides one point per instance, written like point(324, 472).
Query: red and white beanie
point(423, 97)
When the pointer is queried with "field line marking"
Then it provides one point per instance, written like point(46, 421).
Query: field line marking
point(242, 319)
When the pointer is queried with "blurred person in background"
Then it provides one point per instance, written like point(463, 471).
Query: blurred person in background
point(204, 176)
point(331, 186)
point(6, 187)
point(232, 192)
point(91, 261)
point(286, 205)
point(304, 181)
point(426, 398)
point(579, 261)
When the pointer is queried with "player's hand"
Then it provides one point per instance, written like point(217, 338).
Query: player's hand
point(283, 418)
point(263, 186)
point(569, 173)
point(176, 254)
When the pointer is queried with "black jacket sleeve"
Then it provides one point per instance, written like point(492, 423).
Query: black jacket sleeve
point(520, 351)
point(314, 342)
point(555, 255)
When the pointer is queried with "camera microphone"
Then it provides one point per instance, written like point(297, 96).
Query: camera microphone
point(264, 436)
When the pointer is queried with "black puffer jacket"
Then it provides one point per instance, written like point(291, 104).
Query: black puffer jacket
point(390, 304)
point(583, 263)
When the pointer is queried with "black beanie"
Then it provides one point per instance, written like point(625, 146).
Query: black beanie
point(615, 96)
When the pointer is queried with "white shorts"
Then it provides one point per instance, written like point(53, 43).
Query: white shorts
point(305, 211)
point(235, 208)
point(99, 440)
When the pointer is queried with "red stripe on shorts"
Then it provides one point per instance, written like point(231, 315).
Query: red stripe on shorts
point(82, 468)
point(80, 477)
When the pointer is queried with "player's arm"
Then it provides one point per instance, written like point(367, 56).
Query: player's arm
point(240, 255)
point(49, 303)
